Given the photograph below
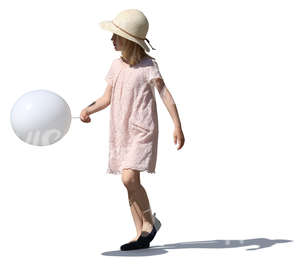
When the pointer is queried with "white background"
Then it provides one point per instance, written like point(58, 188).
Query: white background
point(233, 70)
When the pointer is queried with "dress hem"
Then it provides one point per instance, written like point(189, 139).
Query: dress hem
point(119, 172)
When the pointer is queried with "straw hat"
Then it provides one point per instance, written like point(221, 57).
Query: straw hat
point(131, 24)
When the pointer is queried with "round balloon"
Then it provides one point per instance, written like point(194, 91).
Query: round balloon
point(40, 117)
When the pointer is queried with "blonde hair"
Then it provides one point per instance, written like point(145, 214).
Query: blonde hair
point(132, 52)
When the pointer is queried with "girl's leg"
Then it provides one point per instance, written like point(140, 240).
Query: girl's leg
point(137, 218)
point(138, 201)
point(137, 221)
point(135, 213)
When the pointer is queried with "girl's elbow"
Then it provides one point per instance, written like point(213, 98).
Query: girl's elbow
point(107, 102)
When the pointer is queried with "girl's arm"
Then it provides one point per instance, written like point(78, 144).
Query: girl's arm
point(101, 102)
point(168, 101)
point(171, 106)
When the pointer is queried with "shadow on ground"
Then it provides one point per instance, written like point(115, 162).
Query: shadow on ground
point(159, 250)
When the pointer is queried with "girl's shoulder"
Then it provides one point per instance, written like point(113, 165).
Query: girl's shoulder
point(116, 60)
point(116, 63)
point(150, 62)
point(146, 63)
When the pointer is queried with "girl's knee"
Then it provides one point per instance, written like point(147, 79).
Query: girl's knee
point(130, 178)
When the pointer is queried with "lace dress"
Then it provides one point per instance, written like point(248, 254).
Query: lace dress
point(133, 134)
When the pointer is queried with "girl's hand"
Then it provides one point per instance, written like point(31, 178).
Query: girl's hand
point(84, 116)
point(178, 137)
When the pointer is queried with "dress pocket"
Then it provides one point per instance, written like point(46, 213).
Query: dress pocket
point(142, 128)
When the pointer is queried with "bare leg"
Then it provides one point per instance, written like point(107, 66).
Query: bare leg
point(138, 201)
point(137, 218)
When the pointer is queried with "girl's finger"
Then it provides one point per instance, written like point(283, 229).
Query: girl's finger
point(179, 144)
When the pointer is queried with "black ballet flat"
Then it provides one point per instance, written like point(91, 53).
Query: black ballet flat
point(143, 241)
point(148, 238)
point(134, 245)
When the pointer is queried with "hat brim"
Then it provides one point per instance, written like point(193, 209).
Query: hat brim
point(109, 26)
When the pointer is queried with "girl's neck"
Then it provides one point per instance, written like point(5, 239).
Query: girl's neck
point(126, 62)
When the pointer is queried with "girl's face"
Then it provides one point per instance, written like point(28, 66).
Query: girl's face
point(117, 42)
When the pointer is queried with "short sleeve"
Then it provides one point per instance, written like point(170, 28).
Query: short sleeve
point(109, 78)
point(154, 72)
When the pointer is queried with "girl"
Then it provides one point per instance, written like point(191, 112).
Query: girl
point(131, 80)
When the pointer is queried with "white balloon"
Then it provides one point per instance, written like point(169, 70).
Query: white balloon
point(40, 117)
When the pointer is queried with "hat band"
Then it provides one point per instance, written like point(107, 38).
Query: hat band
point(133, 35)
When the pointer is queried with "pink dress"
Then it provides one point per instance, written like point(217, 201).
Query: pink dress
point(133, 116)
